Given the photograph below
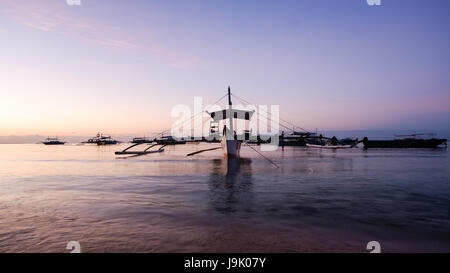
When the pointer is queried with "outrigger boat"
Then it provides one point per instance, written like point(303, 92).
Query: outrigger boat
point(162, 142)
point(53, 141)
point(317, 141)
point(127, 151)
point(107, 140)
point(169, 140)
point(406, 141)
point(329, 146)
point(333, 143)
point(102, 140)
point(230, 143)
point(141, 140)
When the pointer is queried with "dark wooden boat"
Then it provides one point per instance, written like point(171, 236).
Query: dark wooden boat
point(53, 141)
point(169, 140)
point(106, 140)
point(412, 141)
point(101, 140)
point(300, 139)
point(312, 140)
point(329, 146)
point(141, 140)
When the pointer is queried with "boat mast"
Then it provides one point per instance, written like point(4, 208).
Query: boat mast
point(230, 114)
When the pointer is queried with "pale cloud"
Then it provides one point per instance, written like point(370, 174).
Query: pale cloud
point(59, 18)
point(113, 43)
point(40, 19)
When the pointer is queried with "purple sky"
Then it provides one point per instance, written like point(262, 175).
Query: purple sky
point(120, 66)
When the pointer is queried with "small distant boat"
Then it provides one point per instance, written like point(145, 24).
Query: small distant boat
point(304, 138)
point(349, 141)
point(169, 140)
point(53, 141)
point(102, 140)
point(329, 146)
point(406, 141)
point(93, 140)
point(141, 140)
point(106, 140)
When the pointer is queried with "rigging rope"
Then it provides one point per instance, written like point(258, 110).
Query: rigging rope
point(262, 155)
point(245, 102)
point(189, 119)
point(285, 121)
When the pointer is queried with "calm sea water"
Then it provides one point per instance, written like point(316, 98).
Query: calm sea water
point(316, 201)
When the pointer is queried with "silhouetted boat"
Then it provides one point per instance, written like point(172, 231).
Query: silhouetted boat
point(314, 140)
point(329, 146)
point(53, 141)
point(102, 140)
point(230, 142)
point(410, 141)
point(106, 140)
point(353, 141)
point(141, 140)
point(169, 140)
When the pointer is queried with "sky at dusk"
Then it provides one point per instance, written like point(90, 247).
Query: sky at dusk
point(121, 66)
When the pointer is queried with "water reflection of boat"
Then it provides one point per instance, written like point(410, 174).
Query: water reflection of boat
point(232, 166)
point(230, 185)
point(53, 141)
point(406, 141)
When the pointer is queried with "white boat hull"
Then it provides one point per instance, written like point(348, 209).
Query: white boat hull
point(329, 146)
point(230, 147)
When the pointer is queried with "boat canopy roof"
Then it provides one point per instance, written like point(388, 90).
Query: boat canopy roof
point(238, 114)
point(415, 135)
